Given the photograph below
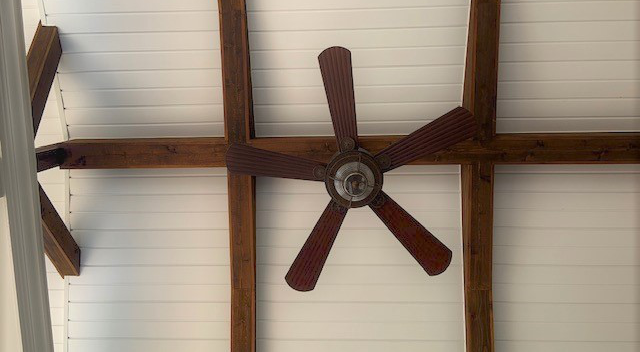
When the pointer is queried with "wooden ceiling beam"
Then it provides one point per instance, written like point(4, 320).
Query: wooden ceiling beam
point(238, 121)
point(59, 245)
point(50, 156)
point(42, 62)
point(560, 148)
point(141, 153)
point(477, 238)
point(479, 96)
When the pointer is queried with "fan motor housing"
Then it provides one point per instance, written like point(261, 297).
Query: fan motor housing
point(353, 178)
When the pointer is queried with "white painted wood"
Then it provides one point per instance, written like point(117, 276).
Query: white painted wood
point(25, 325)
point(155, 261)
point(53, 181)
point(408, 60)
point(372, 295)
point(566, 258)
point(569, 66)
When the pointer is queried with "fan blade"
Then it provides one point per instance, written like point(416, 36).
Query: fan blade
point(445, 131)
point(305, 270)
point(244, 159)
point(431, 254)
point(335, 66)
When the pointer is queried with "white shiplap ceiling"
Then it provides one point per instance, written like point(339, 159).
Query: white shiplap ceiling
point(569, 66)
point(141, 69)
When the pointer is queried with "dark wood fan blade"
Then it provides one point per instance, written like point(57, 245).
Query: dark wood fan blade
point(305, 270)
point(335, 66)
point(445, 131)
point(431, 254)
point(244, 159)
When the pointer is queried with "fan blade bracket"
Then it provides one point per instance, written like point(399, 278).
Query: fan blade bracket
point(384, 161)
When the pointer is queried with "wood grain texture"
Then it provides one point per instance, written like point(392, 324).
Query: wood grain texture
point(447, 130)
point(143, 153)
point(306, 268)
point(432, 255)
point(59, 245)
point(525, 148)
point(481, 73)
point(477, 237)
point(565, 148)
point(247, 160)
point(337, 76)
point(42, 62)
point(238, 121)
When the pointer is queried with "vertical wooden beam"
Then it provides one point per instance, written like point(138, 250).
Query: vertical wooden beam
point(480, 96)
point(481, 71)
point(477, 235)
point(42, 63)
point(59, 245)
point(236, 76)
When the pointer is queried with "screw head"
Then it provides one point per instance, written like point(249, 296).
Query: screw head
point(347, 144)
point(378, 201)
point(384, 161)
point(319, 172)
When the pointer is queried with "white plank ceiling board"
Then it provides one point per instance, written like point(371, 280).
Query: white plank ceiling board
point(155, 261)
point(408, 59)
point(567, 258)
point(569, 66)
point(372, 295)
point(138, 68)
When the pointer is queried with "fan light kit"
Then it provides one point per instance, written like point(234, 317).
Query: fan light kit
point(354, 176)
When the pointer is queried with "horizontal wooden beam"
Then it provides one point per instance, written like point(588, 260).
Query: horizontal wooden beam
point(50, 156)
point(42, 63)
point(143, 153)
point(566, 148)
point(59, 245)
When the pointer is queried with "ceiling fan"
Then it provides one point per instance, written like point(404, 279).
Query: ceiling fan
point(354, 177)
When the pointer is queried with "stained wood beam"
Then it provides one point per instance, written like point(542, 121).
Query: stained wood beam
point(481, 69)
point(50, 156)
point(479, 96)
point(59, 245)
point(566, 148)
point(42, 62)
point(141, 153)
point(477, 235)
point(238, 116)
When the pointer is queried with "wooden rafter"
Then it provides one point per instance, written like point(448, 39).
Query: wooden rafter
point(238, 121)
point(42, 63)
point(59, 245)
